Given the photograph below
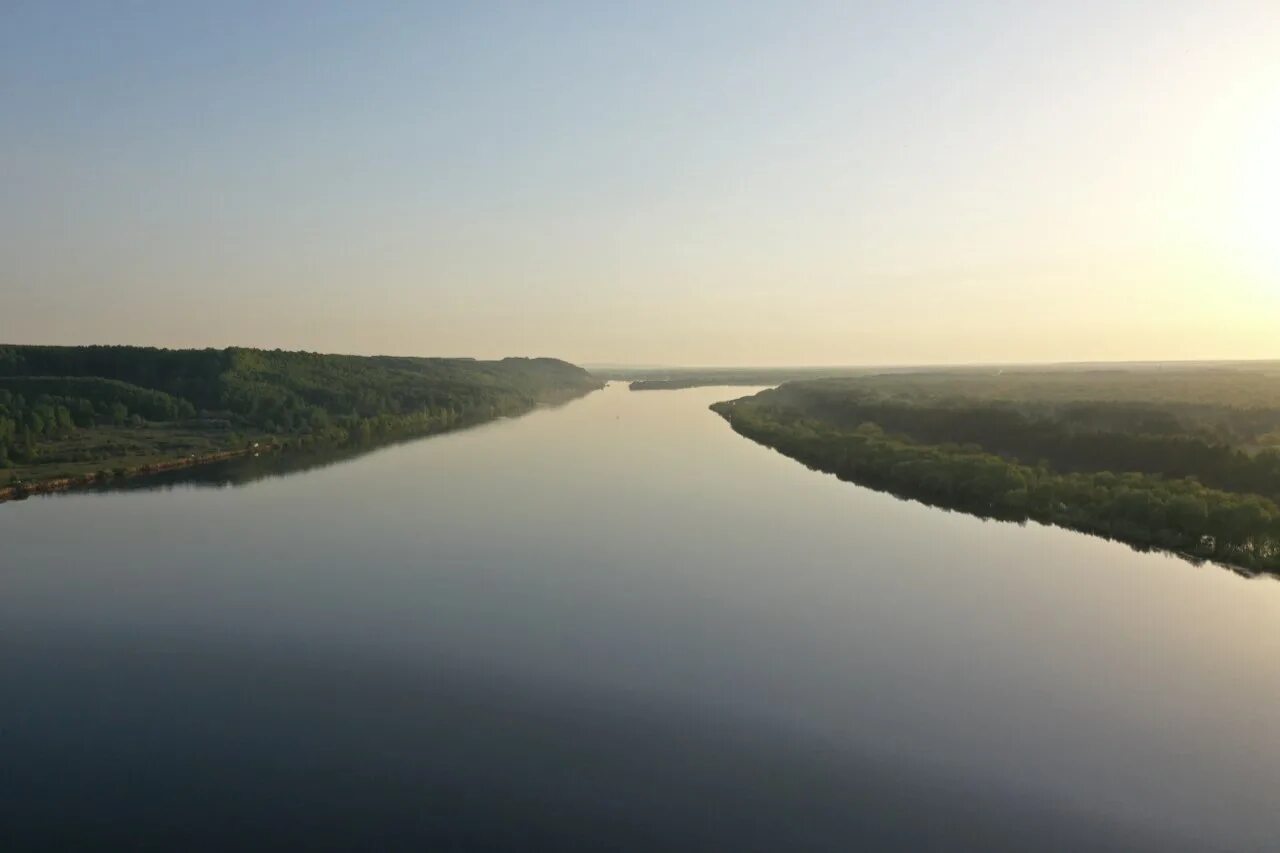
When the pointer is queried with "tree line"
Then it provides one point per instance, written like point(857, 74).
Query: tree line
point(1070, 471)
point(1079, 437)
point(38, 410)
point(49, 393)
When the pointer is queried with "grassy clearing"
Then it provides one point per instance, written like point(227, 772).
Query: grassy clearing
point(124, 448)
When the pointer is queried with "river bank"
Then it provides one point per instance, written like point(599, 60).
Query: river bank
point(22, 490)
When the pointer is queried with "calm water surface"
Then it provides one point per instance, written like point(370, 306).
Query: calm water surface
point(615, 625)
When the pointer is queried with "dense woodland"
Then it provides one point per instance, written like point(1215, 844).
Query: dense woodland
point(86, 404)
point(1188, 462)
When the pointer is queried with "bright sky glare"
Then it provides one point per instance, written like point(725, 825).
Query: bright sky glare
point(699, 183)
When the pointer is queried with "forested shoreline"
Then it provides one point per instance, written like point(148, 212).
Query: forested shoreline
point(71, 414)
point(1191, 467)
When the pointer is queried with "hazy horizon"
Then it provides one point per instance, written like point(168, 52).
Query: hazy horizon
point(747, 184)
point(909, 477)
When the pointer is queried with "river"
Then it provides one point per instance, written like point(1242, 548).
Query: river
point(614, 625)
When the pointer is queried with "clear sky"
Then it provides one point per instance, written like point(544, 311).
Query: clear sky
point(695, 182)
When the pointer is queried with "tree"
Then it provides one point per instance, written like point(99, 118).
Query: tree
point(65, 423)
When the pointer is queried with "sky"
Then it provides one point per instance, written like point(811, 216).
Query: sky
point(698, 183)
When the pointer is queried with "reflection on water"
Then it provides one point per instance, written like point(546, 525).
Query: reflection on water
point(613, 625)
point(243, 470)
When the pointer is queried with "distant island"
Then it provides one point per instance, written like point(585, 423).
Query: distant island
point(74, 416)
point(1185, 459)
point(675, 378)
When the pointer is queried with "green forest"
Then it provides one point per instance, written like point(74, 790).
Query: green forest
point(98, 411)
point(1186, 460)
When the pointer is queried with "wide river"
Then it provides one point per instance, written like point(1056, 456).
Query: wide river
point(615, 625)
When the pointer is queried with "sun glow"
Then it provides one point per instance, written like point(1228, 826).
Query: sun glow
point(1227, 210)
point(1257, 194)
